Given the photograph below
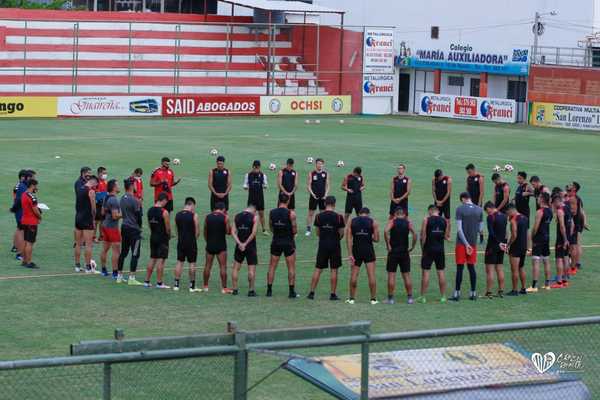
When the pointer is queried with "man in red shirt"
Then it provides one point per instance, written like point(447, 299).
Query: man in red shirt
point(101, 194)
point(138, 185)
point(163, 180)
point(30, 221)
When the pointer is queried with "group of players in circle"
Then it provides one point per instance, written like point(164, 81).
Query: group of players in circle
point(119, 226)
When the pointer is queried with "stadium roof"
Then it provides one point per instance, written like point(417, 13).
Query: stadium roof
point(285, 6)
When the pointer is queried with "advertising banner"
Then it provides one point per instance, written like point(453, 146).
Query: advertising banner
point(565, 116)
point(378, 86)
point(196, 106)
point(109, 106)
point(466, 58)
point(466, 107)
point(302, 105)
point(378, 50)
point(493, 369)
point(33, 106)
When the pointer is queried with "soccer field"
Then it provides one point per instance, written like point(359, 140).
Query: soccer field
point(47, 309)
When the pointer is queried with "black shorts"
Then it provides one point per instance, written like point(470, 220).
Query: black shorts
point(403, 204)
point(329, 257)
point(18, 222)
point(430, 257)
point(292, 203)
point(29, 233)
point(84, 222)
point(215, 249)
point(169, 206)
point(541, 249)
point(573, 239)
point(517, 251)
point(520, 253)
point(187, 252)
point(286, 248)
point(445, 209)
point(561, 251)
point(99, 216)
point(395, 259)
point(353, 203)
point(249, 255)
point(365, 256)
point(494, 255)
point(159, 249)
point(314, 203)
point(257, 200)
point(214, 200)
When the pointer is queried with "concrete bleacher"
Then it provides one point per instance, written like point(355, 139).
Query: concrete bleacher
point(99, 53)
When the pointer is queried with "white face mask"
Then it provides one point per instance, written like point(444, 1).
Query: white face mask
point(104, 176)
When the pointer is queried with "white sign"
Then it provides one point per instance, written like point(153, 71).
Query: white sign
point(466, 107)
point(378, 85)
point(109, 106)
point(378, 55)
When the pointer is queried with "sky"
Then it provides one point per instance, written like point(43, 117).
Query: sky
point(493, 24)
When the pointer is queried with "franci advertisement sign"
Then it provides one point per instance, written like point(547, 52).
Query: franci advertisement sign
point(466, 58)
point(378, 51)
point(467, 107)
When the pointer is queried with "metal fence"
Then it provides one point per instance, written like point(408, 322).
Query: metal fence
point(249, 365)
point(567, 56)
point(119, 57)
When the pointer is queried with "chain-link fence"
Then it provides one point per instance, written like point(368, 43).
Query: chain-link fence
point(535, 360)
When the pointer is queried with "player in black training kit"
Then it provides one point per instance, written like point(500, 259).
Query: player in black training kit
point(85, 214)
point(475, 185)
point(282, 222)
point(400, 190)
point(441, 189)
point(495, 248)
point(538, 188)
point(216, 229)
point(501, 192)
point(540, 239)
point(188, 232)
point(517, 248)
point(353, 184)
point(160, 234)
point(255, 182)
point(219, 184)
point(244, 233)
point(330, 230)
point(318, 188)
point(287, 182)
point(564, 227)
point(434, 231)
point(523, 193)
point(396, 241)
point(360, 235)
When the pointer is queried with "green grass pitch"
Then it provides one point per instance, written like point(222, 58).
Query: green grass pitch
point(47, 309)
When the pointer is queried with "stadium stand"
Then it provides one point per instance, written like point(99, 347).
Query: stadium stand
point(58, 53)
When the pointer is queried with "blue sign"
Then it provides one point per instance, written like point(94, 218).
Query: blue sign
point(462, 58)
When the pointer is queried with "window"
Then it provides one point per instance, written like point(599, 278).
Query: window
point(475, 86)
point(595, 56)
point(456, 81)
point(435, 32)
point(517, 90)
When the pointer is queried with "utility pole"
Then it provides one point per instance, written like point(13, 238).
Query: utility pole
point(536, 24)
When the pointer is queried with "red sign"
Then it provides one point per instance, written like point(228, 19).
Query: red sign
point(194, 106)
point(465, 106)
